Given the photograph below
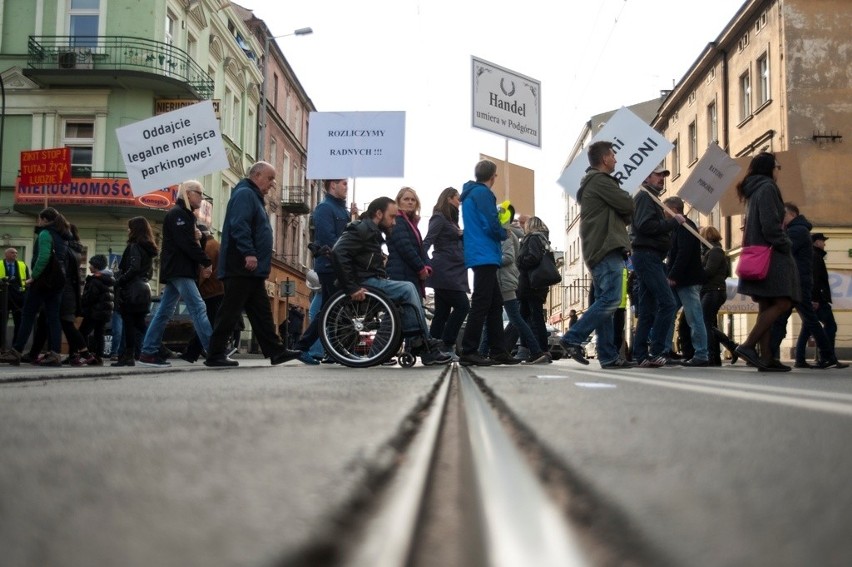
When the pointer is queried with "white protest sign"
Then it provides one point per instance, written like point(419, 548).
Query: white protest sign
point(356, 144)
point(638, 149)
point(506, 103)
point(841, 295)
point(171, 148)
point(714, 173)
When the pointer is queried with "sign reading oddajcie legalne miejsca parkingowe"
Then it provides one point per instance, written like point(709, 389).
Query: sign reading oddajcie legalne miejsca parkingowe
point(638, 150)
point(356, 144)
point(172, 148)
point(505, 102)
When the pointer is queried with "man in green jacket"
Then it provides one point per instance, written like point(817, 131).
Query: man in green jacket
point(605, 212)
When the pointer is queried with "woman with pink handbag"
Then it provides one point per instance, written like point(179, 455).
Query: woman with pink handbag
point(775, 288)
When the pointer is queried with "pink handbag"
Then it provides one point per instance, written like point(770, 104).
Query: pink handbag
point(754, 262)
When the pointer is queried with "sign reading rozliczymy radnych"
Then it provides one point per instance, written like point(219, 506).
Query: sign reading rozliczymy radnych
point(638, 150)
point(356, 144)
point(506, 103)
point(171, 148)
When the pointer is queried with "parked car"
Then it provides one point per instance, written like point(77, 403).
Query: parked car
point(179, 330)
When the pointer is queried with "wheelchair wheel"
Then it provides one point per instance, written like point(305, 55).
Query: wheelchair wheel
point(407, 360)
point(360, 334)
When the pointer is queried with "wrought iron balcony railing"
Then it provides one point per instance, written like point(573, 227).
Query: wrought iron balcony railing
point(113, 53)
point(295, 199)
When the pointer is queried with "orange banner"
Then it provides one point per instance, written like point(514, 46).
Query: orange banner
point(93, 192)
point(46, 167)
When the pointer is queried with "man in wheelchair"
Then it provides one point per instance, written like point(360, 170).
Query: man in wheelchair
point(358, 261)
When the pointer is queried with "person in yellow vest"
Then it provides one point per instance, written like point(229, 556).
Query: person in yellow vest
point(15, 273)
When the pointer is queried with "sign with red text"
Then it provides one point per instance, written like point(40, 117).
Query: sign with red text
point(356, 144)
point(714, 174)
point(94, 192)
point(46, 167)
point(638, 150)
point(171, 148)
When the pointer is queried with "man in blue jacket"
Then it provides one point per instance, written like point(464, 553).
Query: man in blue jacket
point(329, 219)
point(483, 254)
point(245, 261)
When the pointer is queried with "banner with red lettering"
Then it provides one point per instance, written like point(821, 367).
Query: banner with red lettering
point(93, 192)
point(46, 167)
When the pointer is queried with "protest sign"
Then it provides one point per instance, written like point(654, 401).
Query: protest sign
point(505, 102)
point(171, 148)
point(356, 144)
point(638, 149)
point(45, 167)
point(711, 177)
point(840, 284)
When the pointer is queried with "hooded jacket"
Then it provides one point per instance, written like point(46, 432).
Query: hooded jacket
point(358, 255)
point(181, 254)
point(605, 211)
point(97, 301)
point(482, 231)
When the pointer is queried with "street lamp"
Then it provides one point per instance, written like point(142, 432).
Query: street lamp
point(261, 142)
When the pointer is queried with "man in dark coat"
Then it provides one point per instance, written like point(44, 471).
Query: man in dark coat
point(245, 261)
point(686, 276)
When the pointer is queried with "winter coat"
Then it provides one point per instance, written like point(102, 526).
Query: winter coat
point(717, 268)
point(799, 231)
point(482, 231)
point(605, 211)
point(650, 228)
point(822, 289)
point(70, 307)
point(683, 263)
point(358, 255)
point(246, 232)
point(764, 215)
point(448, 269)
point(533, 247)
point(508, 274)
point(97, 300)
point(181, 254)
point(329, 220)
point(46, 238)
point(134, 271)
point(406, 255)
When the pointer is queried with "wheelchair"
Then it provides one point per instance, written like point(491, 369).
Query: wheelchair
point(360, 334)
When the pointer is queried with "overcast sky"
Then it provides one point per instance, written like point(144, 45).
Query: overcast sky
point(414, 56)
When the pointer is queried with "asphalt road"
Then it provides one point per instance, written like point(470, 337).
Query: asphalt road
point(243, 467)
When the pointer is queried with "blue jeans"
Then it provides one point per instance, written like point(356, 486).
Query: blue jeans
point(172, 292)
point(406, 296)
point(316, 349)
point(512, 307)
point(690, 297)
point(607, 278)
point(656, 304)
point(117, 347)
point(32, 303)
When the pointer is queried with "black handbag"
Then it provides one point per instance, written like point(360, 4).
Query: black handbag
point(52, 278)
point(546, 273)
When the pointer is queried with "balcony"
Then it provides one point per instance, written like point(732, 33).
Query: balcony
point(113, 61)
point(295, 200)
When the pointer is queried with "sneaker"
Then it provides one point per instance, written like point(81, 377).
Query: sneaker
point(153, 360)
point(654, 362)
point(475, 359)
point(50, 359)
point(540, 358)
point(523, 353)
point(306, 358)
point(576, 352)
point(504, 358)
point(435, 357)
point(618, 364)
point(11, 356)
point(695, 362)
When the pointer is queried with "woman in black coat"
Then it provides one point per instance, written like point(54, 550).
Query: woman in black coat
point(449, 274)
point(717, 268)
point(534, 245)
point(133, 294)
point(407, 261)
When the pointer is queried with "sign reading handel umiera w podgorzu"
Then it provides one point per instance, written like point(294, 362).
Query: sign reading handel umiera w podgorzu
point(506, 103)
point(714, 173)
point(356, 144)
point(638, 150)
point(172, 147)
point(45, 167)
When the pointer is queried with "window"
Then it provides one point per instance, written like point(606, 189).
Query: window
point(712, 123)
point(760, 23)
point(79, 136)
point(84, 22)
point(192, 47)
point(675, 157)
point(273, 158)
point(275, 91)
point(693, 142)
point(711, 74)
point(691, 99)
point(743, 43)
point(227, 111)
point(235, 118)
point(763, 80)
point(745, 96)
